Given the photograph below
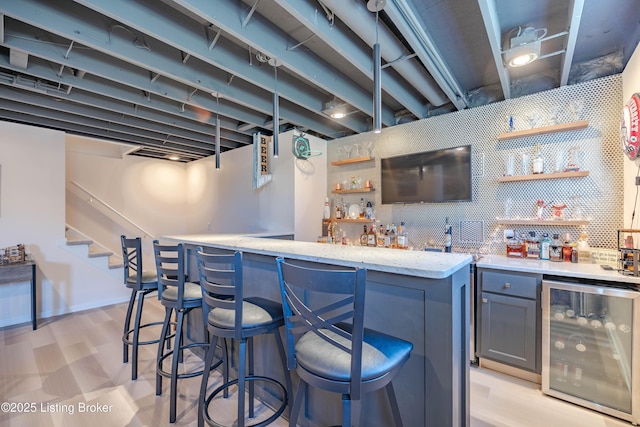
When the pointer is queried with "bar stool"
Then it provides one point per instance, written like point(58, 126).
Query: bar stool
point(180, 296)
point(231, 315)
point(141, 283)
point(329, 354)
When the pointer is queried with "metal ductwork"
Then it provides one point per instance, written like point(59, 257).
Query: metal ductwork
point(362, 22)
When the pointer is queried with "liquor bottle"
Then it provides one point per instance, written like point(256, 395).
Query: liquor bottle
point(393, 236)
point(523, 242)
point(362, 207)
point(402, 237)
point(364, 237)
point(338, 208)
point(567, 248)
point(533, 246)
point(514, 247)
point(447, 236)
point(327, 209)
point(344, 238)
point(584, 250)
point(555, 249)
point(369, 210)
point(387, 237)
point(380, 237)
point(545, 245)
point(371, 236)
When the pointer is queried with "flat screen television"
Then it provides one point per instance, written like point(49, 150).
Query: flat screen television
point(428, 177)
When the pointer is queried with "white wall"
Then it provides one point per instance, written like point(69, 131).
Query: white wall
point(224, 200)
point(32, 211)
point(630, 85)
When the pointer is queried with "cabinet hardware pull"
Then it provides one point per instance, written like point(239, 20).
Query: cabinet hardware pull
point(507, 285)
point(484, 300)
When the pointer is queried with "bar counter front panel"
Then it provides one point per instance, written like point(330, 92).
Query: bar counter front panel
point(432, 388)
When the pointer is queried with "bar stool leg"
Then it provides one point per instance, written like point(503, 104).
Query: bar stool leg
point(242, 361)
point(297, 403)
point(211, 352)
point(346, 411)
point(127, 326)
point(251, 383)
point(285, 369)
point(177, 350)
point(136, 336)
point(395, 410)
point(161, 346)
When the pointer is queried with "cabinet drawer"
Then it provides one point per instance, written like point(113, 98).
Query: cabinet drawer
point(512, 284)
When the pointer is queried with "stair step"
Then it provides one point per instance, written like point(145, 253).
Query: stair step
point(79, 241)
point(99, 253)
point(115, 265)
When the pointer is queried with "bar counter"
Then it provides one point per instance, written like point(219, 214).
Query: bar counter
point(422, 297)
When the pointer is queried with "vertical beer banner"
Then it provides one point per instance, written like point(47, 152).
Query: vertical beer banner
point(261, 160)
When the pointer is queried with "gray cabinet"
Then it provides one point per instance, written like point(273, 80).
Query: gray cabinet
point(510, 317)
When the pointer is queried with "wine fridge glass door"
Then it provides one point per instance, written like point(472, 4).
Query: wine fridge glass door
point(588, 340)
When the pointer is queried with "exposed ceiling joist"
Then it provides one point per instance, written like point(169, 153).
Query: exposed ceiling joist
point(575, 15)
point(492, 24)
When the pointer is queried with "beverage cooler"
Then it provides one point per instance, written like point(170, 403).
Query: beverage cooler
point(590, 354)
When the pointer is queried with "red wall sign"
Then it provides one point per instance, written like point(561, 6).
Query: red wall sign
point(629, 127)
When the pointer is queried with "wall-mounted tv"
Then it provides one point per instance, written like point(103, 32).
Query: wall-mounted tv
point(428, 177)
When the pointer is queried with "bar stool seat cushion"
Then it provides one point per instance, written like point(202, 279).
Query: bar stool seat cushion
point(192, 291)
point(255, 312)
point(381, 354)
point(150, 276)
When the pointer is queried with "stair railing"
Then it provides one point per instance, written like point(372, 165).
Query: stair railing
point(94, 198)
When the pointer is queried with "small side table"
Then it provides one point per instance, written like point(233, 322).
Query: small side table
point(21, 271)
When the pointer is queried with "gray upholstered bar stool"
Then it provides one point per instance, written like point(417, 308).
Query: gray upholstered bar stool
point(232, 315)
point(179, 296)
point(328, 353)
point(141, 282)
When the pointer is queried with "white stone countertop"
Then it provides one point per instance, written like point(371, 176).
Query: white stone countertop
point(585, 271)
point(433, 265)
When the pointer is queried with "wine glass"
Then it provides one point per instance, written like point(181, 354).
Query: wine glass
point(554, 115)
point(348, 149)
point(369, 147)
point(533, 119)
point(575, 107)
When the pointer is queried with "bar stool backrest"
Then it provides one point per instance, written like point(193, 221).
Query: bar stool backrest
point(132, 259)
point(221, 283)
point(320, 300)
point(170, 267)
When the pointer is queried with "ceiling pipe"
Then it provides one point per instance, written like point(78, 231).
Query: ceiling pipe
point(362, 23)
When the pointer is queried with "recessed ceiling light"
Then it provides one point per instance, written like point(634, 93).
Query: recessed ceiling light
point(173, 157)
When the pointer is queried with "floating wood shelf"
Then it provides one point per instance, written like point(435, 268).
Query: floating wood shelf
point(357, 190)
point(549, 222)
point(544, 130)
point(362, 220)
point(534, 177)
point(355, 160)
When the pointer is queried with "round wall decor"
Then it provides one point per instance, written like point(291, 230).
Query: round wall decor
point(629, 133)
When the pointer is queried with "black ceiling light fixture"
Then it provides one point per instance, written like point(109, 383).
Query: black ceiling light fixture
point(217, 130)
point(276, 106)
point(376, 6)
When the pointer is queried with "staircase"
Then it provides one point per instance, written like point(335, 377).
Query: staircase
point(94, 249)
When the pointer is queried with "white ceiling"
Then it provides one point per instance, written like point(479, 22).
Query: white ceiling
point(146, 72)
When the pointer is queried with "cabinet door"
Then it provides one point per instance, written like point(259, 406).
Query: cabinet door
point(509, 330)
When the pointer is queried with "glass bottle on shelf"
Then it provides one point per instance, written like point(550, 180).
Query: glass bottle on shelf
point(362, 207)
point(393, 236)
point(584, 250)
point(364, 237)
point(533, 246)
point(380, 237)
point(545, 246)
point(538, 162)
point(567, 248)
point(327, 209)
point(338, 208)
point(387, 237)
point(402, 237)
point(515, 247)
point(371, 236)
point(555, 249)
point(343, 240)
point(523, 241)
